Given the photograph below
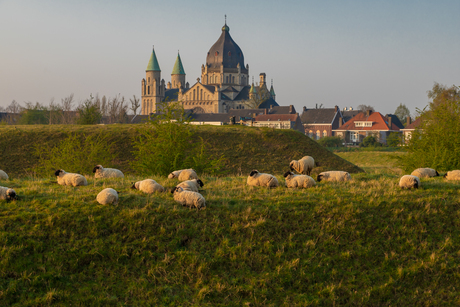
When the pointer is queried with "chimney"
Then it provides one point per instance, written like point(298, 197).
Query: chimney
point(305, 109)
point(291, 111)
point(368, 112)
point(336, 108)
point(265, 111)
point(389, 122)
point(408, 121)
point(340, 121)
point(271, 106)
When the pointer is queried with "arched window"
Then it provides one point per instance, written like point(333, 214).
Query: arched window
point(310, 134)
point(217, 53)
point(148, 90)
point(324, 133)
point(201, 94)
point(193, 94)
point(318, 134)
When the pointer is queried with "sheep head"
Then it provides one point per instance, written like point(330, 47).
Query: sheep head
point(96, 168)
point(288, 173)
point(200, 182)
point(254, 172)
point(319, 178)
point(58, 172)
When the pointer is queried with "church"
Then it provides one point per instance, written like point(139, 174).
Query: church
point(224, 83)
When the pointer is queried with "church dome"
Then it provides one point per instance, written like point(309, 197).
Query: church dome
point(225, 52)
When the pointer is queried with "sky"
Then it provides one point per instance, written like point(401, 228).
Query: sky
point(332, 52)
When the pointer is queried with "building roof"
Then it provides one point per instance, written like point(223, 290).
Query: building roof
point(395, 120)
point(277, 117)
point(379, 122)
point(347, 115)
point(178, 68)
point(282, 110)
point(267, 103)
point(318, 116)
point(153, 63)
point(209, 117)
point(245, 112)
point(171, 94)
point(414, 125)
point(225, 52)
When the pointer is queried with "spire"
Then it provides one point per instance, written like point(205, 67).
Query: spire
point(225, 27)
point(178, 68)
point(272, 91)
point(153, 63)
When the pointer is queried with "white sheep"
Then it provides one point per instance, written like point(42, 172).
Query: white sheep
point(409, 182)
point(190, 185)
point(64, 178)
point(3, 175)
point(183, 174)
point(261, 179)
point(7, 194)
point(107, 196)
point(303, 166)
point(100, 172)
point(334, 176)
point(425, 173)
point(189, 198)
point(453, 175)
point(298, 181)
point(148, 186)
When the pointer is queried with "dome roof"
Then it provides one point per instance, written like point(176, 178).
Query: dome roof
point(225, 52)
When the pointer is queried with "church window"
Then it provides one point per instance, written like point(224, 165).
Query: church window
point(193, 94)
point(148, 90)
point(229, 53)
point(149, 79)
point(226, 79)
point(201, 94)
point(217, 53)
point(233, 79)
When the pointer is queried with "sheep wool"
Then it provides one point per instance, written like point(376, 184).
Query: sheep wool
point(183, 174)
point(3, 175)
point(148, 186)
point(7, 194)
point(425, 173)
point(64, 178)
point(107, 196)
point(100, 172)
point(261, 179)
point(191, 185)
point(298, 181)
point(334, 176)
point(189, 198)
point(303, 166)
point(453, 175)
point(409, 182)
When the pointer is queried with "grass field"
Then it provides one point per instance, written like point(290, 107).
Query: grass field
point(360, 243)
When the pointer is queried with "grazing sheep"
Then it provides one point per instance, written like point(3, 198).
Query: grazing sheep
point(148, 186)
point(190, 185)
point(100, 172)
point(189, 198)
point(184, 174)
point(107, 196)
point(303, 166)
point(452, 175)
point(425, 173)
point(334, 176)
point(7, 194)
point(3, 175)
point(409, 182)
point(261, 179)
point(64, 178)
point(298, 181)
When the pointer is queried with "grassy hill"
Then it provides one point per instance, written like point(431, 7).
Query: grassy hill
point(242, 148)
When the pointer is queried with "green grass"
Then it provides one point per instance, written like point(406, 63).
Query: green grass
point(360, 243)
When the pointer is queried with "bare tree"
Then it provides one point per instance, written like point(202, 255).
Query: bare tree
point(135, 104)
point(364, 108)
point(13, 111)
point(66, 110)
point(104, 107)
point(117, 110)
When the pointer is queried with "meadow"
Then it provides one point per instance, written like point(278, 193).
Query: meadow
point(363, 243)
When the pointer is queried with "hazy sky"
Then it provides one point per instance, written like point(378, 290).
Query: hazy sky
point(331, 52)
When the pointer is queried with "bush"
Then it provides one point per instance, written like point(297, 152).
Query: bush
point(370, 141)
point(394, 139)
point(331, 141)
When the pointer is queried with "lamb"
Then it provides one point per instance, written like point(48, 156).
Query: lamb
point(148, 186)
point(425, 173)
point(261, 179)
point(189, 198)
point(334, 176)
point(298, 181)
point(107, 196)
point(184, 174)
point(100, 172)
point(190, 185)
point(7, 194)
point(303, 166)
point(64, 178)
point(409, 182)
point(3, 175)
point(452, 175)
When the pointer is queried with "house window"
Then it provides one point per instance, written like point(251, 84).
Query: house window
point(354, 136)
point(310, 134)
point(318, 134)
point(324, 133)
point(363, 124)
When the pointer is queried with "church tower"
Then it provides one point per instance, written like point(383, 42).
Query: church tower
point(178, 74)
point(152, 87)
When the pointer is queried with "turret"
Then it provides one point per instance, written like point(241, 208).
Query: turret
point(151, 90)
point(178, 73)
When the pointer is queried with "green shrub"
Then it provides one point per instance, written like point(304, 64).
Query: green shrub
point(331, 141)
point(370, 141)
point(394, 139)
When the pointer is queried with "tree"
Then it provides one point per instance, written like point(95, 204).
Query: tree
point(436, 143)
point(364, 108)
point(394, 139)
point(402, 112)
point(34, 114)
point(89, 112)
point(135, 104)
point(370, 141)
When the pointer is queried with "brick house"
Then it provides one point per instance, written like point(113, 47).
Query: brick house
point(319, 123)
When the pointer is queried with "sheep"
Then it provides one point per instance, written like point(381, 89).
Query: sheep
point(148, 186)
point(303, 166)
point(107, 196)
point(425, 173)
point(100, 172)
point(7, 194)
point(64, 178)
point(190, 185)
point(3, 175)
point(298, 181)
point(409, 182)
point(261, 179)
point(452, 175)
point(334, 176)
point(189, 198)
point(183, 174)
